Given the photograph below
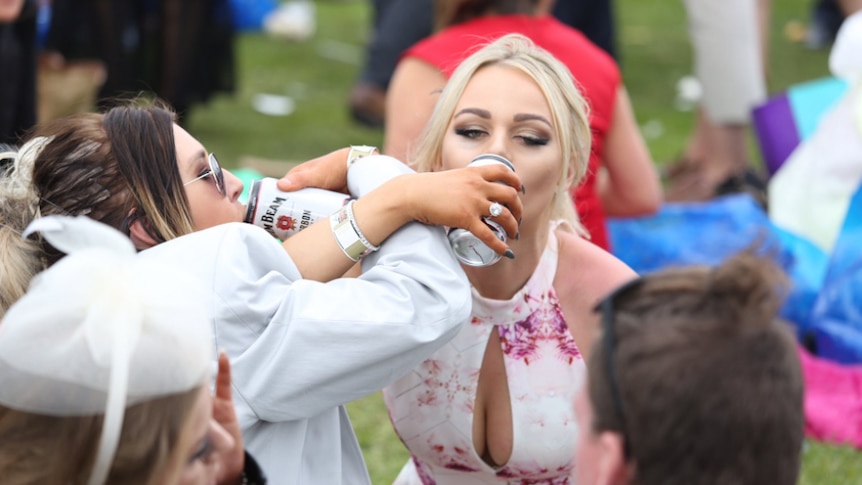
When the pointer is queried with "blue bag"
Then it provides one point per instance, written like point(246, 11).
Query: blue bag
point(710, 232)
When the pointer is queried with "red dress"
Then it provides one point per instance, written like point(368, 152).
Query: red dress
point(595, 72)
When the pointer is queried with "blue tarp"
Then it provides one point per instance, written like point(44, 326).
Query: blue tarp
point(825, 302)
point(837, 314)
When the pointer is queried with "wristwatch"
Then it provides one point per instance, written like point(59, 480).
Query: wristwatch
point(359, 151)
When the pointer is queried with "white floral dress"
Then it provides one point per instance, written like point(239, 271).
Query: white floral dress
point(432, 407)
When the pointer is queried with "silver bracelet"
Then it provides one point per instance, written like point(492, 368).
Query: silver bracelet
point(359, 151)
point(352, 219)
point(347, 234)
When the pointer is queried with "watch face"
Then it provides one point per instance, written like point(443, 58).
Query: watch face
point(359, 151)
point(470, 250)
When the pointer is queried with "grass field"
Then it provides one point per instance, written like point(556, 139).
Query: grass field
point(318, 73)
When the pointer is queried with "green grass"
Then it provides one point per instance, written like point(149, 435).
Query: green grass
point(318, 74)
point(830, 465)
point(230, 126)
point(653, 43)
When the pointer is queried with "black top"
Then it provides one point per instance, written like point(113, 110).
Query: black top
point(18, 75)
point(252, 474)
point(180, 51)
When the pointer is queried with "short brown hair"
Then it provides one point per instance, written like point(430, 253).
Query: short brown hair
point(707, 379)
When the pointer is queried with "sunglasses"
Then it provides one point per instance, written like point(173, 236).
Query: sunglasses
point(216, 172)
point(609, 344)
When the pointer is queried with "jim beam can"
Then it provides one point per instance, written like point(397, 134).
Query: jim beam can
point(468, 248)
point(283, 214)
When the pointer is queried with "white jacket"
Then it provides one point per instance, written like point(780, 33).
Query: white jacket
point(301, 349)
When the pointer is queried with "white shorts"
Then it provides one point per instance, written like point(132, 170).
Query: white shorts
point(728, 60)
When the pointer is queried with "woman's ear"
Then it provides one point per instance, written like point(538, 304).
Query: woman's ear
point(612, 466)
point(139, 234)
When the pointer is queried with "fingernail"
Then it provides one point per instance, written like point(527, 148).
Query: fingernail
point(509, 254)
point(518, 236)
point(519, 221)
point(523, 189)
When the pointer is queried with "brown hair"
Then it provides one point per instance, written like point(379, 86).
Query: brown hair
point(115, 168)
point(39, 449)
point(708, 378)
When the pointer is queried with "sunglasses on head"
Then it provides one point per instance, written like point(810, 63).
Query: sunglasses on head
point(609, 344)
point(216, 172)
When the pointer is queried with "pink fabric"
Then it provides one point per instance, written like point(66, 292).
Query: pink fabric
point(833, 400)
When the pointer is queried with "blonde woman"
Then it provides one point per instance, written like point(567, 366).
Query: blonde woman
point(494, 404)
point(621, 179)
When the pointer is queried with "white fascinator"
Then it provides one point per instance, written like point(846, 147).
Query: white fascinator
point(101, 330)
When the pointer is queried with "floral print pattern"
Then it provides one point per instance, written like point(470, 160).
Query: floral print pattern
point(432, 407)
point(521, 339)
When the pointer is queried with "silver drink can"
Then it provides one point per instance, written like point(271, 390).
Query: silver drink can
point(283, 214)
point(469, 249)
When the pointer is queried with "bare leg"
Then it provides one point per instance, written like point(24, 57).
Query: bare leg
point(764, 13)
point(850, 7)
point(728, 154)
point(728, 38)
point(698, 144)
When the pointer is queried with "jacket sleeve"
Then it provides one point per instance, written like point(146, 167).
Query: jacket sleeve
point(299, 347)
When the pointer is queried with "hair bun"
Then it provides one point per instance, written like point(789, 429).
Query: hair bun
point(753, 285)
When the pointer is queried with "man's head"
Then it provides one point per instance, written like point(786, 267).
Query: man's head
point(694, 381)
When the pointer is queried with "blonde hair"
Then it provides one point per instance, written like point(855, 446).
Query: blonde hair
point(40, 449)
point(21, 258)
point(568, 112)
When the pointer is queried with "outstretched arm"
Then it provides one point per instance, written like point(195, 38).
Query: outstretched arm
point(299, 347)
point(389, 195)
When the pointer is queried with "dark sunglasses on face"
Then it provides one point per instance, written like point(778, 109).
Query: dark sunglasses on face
point(216, 172)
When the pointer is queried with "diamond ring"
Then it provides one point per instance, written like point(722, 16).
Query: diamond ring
point(496, 209)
